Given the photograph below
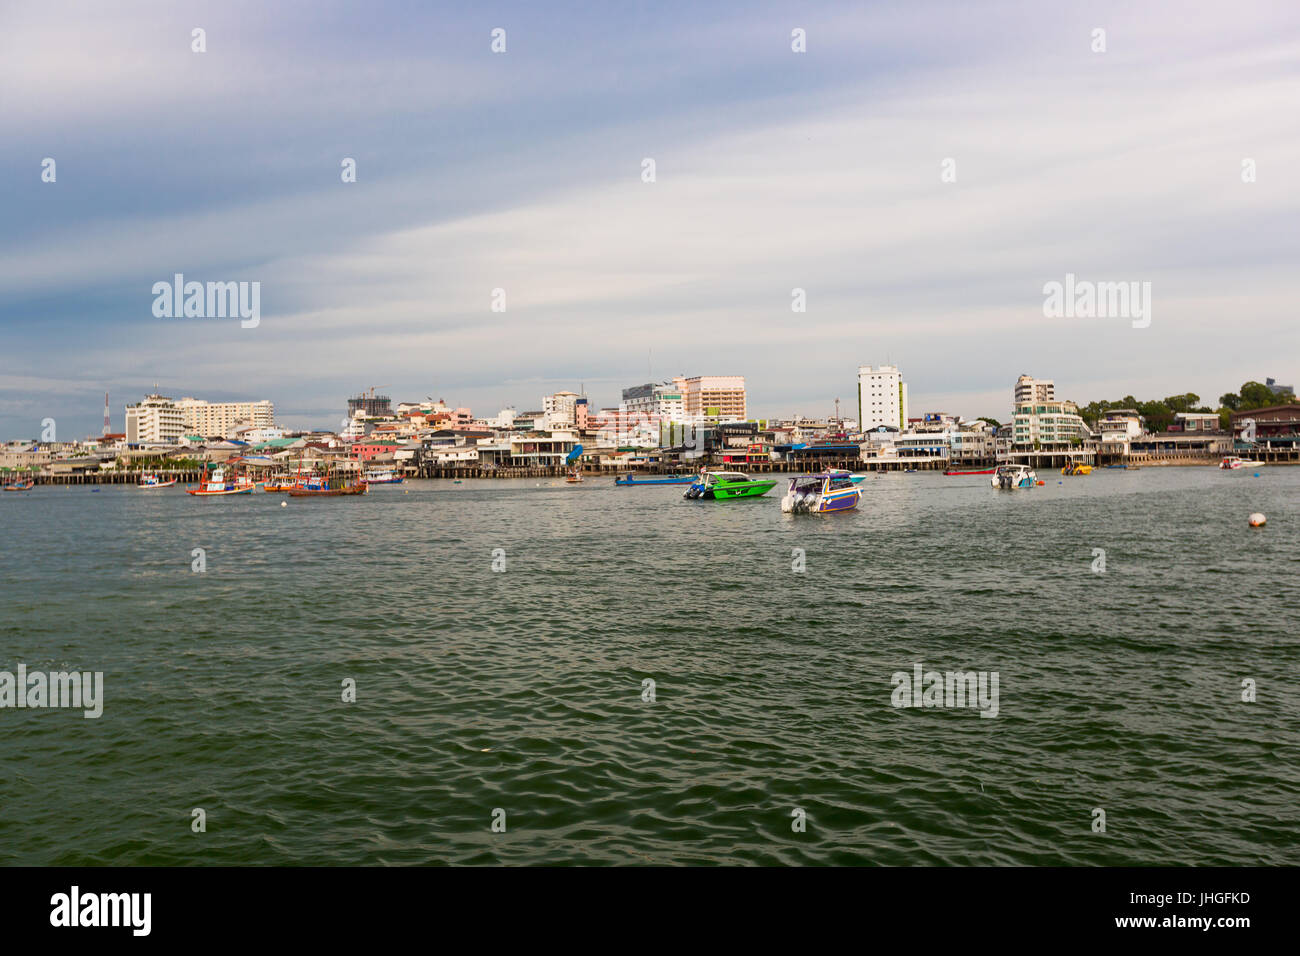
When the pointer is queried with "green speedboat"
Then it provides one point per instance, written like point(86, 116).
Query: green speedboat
point(725, 485)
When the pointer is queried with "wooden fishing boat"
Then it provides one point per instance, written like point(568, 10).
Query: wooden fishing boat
point(970, 471)
point(332, 484)
point(27, 485)
point(218, 484)
point(150, 480)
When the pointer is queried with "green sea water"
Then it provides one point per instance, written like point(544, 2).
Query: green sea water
point(518, 696)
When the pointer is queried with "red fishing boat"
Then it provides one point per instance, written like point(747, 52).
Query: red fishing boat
point(962, 471)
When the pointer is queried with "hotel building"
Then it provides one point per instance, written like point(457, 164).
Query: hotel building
point(882, 398)
point(155, 421)
point(713, 397)
point(210, 419)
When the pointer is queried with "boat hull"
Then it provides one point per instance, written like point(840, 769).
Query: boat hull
point(982, 471)
point(628, 483)
point(751, 489)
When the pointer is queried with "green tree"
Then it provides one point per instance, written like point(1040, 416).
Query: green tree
point(1256, 395)
point(1230, 401)
point(992, 421)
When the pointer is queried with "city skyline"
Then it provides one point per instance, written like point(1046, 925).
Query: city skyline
point(822, 171)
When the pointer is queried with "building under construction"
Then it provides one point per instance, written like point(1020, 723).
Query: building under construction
point(370, 405)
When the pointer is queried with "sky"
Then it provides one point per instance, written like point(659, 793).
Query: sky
point(825, 170)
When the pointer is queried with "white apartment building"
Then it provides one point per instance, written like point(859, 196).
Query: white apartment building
point(659, 402)
point(155, 421)
point(1030, 389)
point(713, 397)
point(222, 418)
point(560, 409)
point(882, 397)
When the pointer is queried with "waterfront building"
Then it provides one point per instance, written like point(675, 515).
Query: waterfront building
point(1276, 427)
point(719, 398)
point(156, 421)
point(1117, 429)
point(1196, 422)
point(1043, 425)
point(882, 397)
point(1030, 390)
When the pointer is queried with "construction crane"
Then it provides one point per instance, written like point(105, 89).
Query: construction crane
point(373, 387)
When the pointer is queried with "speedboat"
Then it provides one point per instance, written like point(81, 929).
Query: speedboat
point(725, 485)
point(1232, 462)
point(1076, 468)
point(1010, 477)
point(821, 494)
point(151, 480)
point(217, 484)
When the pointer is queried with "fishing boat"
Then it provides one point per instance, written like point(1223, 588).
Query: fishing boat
point(573, 477)
point(1076, 468)
point(667, 480)
point(1010, 477)
point(330, 484)
point(821, 494)
point(385, 476)
point(970, 471)
point(27, 485)
point(277, 483)
point(150, 480)
point(725, 485)
point(218, 483)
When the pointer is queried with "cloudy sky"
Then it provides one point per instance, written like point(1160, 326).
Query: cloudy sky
point(522, 170)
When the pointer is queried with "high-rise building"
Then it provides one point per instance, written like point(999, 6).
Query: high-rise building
point(156, 420)
point(222, 418)
point(1030, 389)
point(713, 397)
point(882, 397)
point(661, 401)
point(108, 422)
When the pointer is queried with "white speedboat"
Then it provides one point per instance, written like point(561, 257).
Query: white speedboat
point(1011, 477)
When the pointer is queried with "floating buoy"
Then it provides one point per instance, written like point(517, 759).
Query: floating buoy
point(1257, 520)
point(1041, 482)
point(284, 504)
point(1256, 474)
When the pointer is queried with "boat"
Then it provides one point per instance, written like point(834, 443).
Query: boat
point(1232, 462)
point(973, 471)
point(1076, 468)
point(277, 483)
point(1010, 477)
point(573, 477)
point(821, 493)
point(150, 480)
point(384, 477)
point(668, 480)
point(725, 485)
point(27, 485)
point(331, 484)
point(217, 483)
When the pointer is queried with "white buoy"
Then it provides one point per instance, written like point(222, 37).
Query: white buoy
point(284, 504)
point(1257, 520)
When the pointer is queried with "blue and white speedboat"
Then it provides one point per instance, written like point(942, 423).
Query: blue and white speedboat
point(1011, 477)
point(669, 480)
point(821, 494)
